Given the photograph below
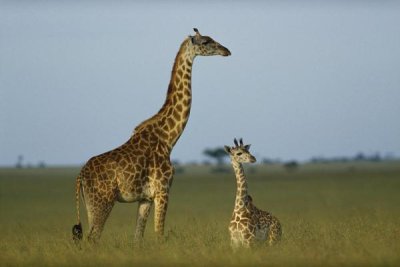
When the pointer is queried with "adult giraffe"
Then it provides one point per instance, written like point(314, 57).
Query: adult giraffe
point(140, 170)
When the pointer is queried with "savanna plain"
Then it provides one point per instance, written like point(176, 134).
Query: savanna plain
point(332, 215)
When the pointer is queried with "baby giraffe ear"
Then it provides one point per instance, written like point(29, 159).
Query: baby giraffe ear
point(227, 149)
point(247, 147)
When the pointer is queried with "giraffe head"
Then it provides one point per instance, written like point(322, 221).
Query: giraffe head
point(206, 46)
point(240, 153)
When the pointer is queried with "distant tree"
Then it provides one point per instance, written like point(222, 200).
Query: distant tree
point(389, 156)
point(375, 157)
point(362, 157)
point(41, 165)
point(318, 159)
point(20, 159)
point(359, 157)
point(270, 161)
point(218, 154)
point(291, 165)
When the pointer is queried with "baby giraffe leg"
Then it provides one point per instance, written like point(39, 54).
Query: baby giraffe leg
point(275, 232)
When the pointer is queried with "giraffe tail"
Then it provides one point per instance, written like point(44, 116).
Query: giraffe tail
point(77, 232)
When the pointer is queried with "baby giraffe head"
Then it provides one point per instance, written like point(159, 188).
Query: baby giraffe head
point(206, 46)
point(240, 153)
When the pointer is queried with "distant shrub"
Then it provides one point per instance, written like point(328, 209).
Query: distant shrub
point(291, 166)
point(42, 165)
point(20, 159)
point(252, 169)
point(178, 167)
point(220, 169)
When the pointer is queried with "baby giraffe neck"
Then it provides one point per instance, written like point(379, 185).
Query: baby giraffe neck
point(241, 185)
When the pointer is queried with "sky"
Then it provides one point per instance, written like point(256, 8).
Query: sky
point(305, 79)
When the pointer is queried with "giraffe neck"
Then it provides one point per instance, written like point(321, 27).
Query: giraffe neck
point(241, 185)
point(171, 119)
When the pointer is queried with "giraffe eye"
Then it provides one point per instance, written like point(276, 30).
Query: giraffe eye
point(206, 40)
point(240, 153)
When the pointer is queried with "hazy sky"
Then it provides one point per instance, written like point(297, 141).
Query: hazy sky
point(306, 78)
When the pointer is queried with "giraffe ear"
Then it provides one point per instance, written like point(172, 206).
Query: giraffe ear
point(247, 147)
point(227, 149)
point(197, 39)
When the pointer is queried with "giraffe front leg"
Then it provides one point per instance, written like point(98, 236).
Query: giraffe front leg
point(247, 238)
point(275, 232)
point(236, 240)
point(161, 205)
point(142, 215)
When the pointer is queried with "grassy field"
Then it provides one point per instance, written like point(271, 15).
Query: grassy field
point(332, 215)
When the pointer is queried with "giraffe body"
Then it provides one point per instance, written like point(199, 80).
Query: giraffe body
point(249, 225)
point(140, 169)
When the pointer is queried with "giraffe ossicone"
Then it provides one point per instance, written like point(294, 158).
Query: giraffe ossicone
point(140, 169)
point(249, 225)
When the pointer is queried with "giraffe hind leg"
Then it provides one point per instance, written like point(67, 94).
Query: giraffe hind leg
point(97, 217)
point(160, 210)
point(142, 215)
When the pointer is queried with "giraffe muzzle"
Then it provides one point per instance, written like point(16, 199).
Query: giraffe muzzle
point(225, 51)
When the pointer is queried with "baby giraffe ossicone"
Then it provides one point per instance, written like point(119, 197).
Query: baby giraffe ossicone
point(249, 225)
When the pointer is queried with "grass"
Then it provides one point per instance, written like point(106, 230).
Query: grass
point(332, 215)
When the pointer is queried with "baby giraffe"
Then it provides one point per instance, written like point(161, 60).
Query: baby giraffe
point(249, 225)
